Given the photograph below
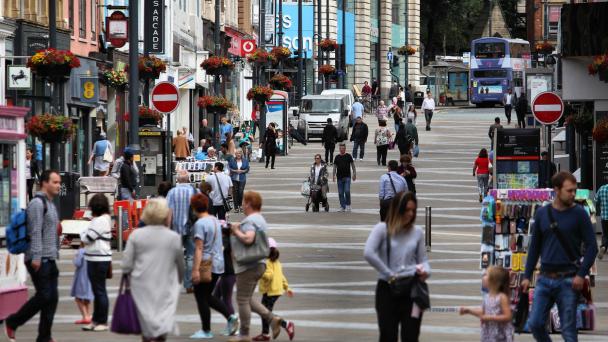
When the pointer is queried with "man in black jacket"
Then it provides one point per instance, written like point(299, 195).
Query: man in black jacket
point(521, 108)
point(328, 140)
point(359, 137)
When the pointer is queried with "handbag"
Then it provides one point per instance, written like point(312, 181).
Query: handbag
point(107, 155)
point(124, 317)
point(247, 254)
point(206, 265)
point(416, 151)
point(227, 205)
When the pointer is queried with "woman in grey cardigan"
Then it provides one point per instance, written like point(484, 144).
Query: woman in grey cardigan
point(154, 259)
point(404, 260)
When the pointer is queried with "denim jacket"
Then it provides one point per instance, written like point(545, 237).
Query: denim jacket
point(233, 166)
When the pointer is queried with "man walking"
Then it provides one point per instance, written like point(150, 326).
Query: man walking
point(357, 110)
point(521, 108)
point(328, 140)
point(391, 183)
point(411, 134)
point(507, 102)
point(178, 200)
point(40, 257)
point(602, 204)
point(221, 186)
point(206, 134)
point(544, 179)
point(359, 137)
point(343, 163)
point(557, 234)
point(225, 127)
point(492, 131)
point(428, 106)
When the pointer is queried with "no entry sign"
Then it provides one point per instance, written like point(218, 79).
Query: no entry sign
point(547, 107)
point(165, 97)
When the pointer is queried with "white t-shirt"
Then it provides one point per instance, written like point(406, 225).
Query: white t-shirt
point(28, 169)
point(225, 183)
point(508, 99)
point(428, 104)
point(317, 171)
point(239, 163)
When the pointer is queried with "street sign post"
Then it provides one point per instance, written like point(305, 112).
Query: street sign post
point(389, 56)
point(547, 108)
point(165, 97)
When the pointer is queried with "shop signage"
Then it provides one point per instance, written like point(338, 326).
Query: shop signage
point(35, 44)
point(547, 108)
point(154, 22)
point(518, 144)
point(117, 29)
point(89, 89)
point(18, 77)
point(247, 46)
point(165, 97)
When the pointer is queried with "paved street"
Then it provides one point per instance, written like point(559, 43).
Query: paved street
point(322, 253)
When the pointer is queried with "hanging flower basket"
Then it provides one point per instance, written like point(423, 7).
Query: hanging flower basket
point(280, 53)
point(600, 131)
point(54, 65)
point(327, 69)
point(259, 93)
point(599, 67)
point(583, 122)
point(260, 57)
point(328, 45)
point(115, 79)
point(149, 67)
point(544, 47)
point(217, 66)
point(147, 116)
point(281, 82)
point(406, 50)
point(51, 128)
point(215, 104)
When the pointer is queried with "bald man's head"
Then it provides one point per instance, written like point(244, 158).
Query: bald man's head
point(183, 177)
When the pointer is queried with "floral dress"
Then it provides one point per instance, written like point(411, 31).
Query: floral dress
point(495, 331)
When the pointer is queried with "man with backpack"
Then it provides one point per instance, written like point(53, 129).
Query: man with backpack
point(40, 255)
point(559, 231)
point(183, 219)
point(391, 183)
point(101, 156)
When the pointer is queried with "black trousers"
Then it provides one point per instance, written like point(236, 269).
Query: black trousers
point(393, 312)
point(218, 211)
point(604, 233)
point(428, 116)
point(97, 271)
point(508, 109)
point(381, 152)
point(270, 158)
point(268, 302)
point(44, 301)
point(30, 188)
point(205, 302)
point(329, 152)
point(384, 205)
point(521, 120)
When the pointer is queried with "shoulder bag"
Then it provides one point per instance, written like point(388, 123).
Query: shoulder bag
point(387, 201)
point(554, 227)
point(227, 205)
point(247, 254)
point(206, 265)
point(124, 318)
point(107, 155)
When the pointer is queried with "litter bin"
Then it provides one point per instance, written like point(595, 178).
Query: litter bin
point(418, 98)
point(69, 195)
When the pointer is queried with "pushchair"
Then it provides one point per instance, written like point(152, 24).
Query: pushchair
point(314, 196)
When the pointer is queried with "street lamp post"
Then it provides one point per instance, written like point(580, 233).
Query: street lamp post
point(56, 101)
point(343, 47)
point(280, 42)
point(300, 48)
point(405, 28)
point(262, 78)
point(318, 34)
point(134, 76)
point(216, 78)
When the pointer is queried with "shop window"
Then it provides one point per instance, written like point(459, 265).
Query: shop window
point(93, 19)
point(8, 178)
point(71, 15)
point(82, 18)
point(553, 21)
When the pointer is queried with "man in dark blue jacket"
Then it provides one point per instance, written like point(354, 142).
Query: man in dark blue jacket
point(558, 232)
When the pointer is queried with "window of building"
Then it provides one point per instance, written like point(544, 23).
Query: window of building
point(396, 12)
point(71, 14)
point(82, 18)
point(93, 19)
point(554, 13)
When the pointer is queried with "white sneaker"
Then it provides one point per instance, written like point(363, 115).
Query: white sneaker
point(348, 208)
point(360, 159)
point(341, 210)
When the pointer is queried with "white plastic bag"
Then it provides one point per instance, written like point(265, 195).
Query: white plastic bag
point(305, 188)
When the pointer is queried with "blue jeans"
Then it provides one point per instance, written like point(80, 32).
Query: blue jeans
point(188, 243)
point(357, 146)
point(549, 291)
point(344, 191)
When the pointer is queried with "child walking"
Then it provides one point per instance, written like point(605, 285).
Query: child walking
point(495, 313)
point(272, 286)
point(81, 287)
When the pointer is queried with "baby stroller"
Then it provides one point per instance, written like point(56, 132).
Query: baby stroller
point(314, 196)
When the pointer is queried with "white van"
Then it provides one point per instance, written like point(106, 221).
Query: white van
point(350, 97)
point(316, 109)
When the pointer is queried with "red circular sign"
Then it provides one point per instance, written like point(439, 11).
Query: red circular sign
point(547, 107)
point(247, 46)
point(117, 29)
point(165, 97)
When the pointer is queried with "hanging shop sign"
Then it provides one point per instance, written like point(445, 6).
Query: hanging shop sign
point(18, 77)
point(154, 23)
point(89, 89)
point(117, 29)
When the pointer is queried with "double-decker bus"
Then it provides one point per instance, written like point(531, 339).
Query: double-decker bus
point(496, 65)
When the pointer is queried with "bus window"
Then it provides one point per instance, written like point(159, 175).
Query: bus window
point(490, 73)
point(490, 50)
point(518, 79)
point(519, 50)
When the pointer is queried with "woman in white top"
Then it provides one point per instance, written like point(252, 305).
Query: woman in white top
point(412, 114)
point(319, 181)
point(98, 256)
point(428, 106)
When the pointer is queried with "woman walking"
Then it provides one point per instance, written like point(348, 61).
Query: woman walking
point(32, 173)
point(154, 260)
point(402, 141)
point(270, 144)
point(412, 114)
point(248, 274)
point(407, 170)
point(319, 183)
point(239, 167)
point(481, 169)
point(208, 247)
point(98, 256)
point(396, 250)
point(382, 138)
point(397, 117)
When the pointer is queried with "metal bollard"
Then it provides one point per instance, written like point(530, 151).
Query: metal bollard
point(119, 230)
point(427, 229)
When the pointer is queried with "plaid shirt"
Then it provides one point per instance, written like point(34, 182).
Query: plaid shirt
point(602, 201)
point(381, 111)
point(42, 229)
point(178, 199)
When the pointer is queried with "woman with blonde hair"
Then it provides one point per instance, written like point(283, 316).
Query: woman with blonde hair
point(395, 248)
point(154, 261)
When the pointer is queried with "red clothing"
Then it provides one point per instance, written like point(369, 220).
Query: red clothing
point(366, 90)
point(482, 165)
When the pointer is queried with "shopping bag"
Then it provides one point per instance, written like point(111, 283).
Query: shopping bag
point(305, 191)
point(416, 151)
point(124, 318)
point(107, 155)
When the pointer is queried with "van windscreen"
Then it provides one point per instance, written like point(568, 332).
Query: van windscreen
point(321, 106)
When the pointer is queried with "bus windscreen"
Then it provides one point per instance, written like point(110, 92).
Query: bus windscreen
point(490, 50)
point(498, 73)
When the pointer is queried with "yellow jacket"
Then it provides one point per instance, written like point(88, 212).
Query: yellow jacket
point(273, 282)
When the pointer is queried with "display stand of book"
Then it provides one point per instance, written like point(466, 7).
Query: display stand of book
point(506, 220)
